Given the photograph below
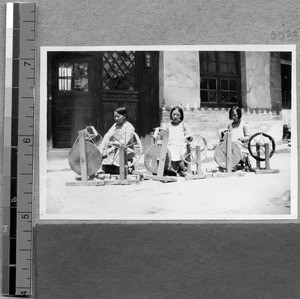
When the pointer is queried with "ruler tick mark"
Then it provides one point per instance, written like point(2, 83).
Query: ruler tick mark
point(22, 44)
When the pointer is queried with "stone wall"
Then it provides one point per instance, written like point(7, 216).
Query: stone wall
point(207, 121)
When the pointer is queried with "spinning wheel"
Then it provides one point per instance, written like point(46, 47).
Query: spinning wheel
point(256, 146)
point(221, 154)
point(131, 144)
point(151, 159)
point(190, 155)
point(93, 156)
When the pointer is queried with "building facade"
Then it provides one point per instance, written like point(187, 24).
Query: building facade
point(84, 88)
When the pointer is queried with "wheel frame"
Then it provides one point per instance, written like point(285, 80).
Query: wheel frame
point(109, 148)
point(235, 151)
point(191, 149)
point(93, 158)
point(272, 151)
point(150, 152)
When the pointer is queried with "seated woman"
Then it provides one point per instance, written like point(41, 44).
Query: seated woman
point(240, 134)
point(120, 133)
point(179, 132)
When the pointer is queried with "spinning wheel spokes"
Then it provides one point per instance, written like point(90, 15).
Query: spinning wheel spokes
point(132, 146)
point(134, 149)
point(190, 156)
point(113, 154)
point(256, 146)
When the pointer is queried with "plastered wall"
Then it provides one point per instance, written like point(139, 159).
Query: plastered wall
point(75, 258)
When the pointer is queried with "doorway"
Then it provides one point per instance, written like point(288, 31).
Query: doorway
point(84, 88)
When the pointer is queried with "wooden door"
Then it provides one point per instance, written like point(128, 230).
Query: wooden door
point(119, 87)
point(73, 86)
point(84, 89)
point(127, 81)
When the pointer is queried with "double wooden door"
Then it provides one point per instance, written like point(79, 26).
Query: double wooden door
point(84, 88)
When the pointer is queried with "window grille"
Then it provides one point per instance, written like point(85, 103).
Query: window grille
point(219, 78)
point(73, 76)
point(119, 71)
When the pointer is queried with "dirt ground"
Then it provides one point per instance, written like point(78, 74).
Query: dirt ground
point(241, 196)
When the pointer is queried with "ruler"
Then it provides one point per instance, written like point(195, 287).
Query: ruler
point(18, 149)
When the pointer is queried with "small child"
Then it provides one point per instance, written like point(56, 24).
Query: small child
point(179, 133)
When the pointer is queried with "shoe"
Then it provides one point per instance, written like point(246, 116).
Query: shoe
point(182, 173)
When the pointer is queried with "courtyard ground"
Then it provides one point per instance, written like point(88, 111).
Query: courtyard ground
point(241, 196)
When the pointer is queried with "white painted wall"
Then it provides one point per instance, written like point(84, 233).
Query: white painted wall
point(180, 78)
point(258, 80)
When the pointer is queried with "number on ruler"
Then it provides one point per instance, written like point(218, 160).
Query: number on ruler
point(25, 216)
point(5, 228)
point(26, 140)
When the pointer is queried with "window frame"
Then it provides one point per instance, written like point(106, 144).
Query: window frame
point(218, 76)
point(72, 77)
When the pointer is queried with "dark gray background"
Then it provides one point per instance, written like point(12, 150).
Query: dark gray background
point(159, 260)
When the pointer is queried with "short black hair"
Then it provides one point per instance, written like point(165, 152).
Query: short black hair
point(237, 109)
point(122, 111)
point(180, 111)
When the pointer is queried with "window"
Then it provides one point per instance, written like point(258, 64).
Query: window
point(119, 71)
point(286, 79)
point(220, 79)
point(73, 76)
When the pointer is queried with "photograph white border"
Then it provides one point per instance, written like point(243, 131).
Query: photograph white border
point(43, 128)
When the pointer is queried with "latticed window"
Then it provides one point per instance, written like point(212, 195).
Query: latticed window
point(219, 78)
point(73, 77)
point(119, 71)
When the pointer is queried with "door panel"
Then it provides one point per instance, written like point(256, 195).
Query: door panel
point(73, 96)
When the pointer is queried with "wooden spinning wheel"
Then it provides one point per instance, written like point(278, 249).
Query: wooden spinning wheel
point(154, 152)
point(151, 159)
point(131, 144)
point(221, 154)
point(190, 156)
point(90, 139)
point(256, 146)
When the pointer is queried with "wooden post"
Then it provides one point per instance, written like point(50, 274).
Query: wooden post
point(188, 159)
point(122, 163)
point(82, 151)
point(258, 155)
point(267, 156)
point(228, 152)
point(163, 153)
point(198, 159)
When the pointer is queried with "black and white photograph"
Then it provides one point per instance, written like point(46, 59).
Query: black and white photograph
point(168, 133)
